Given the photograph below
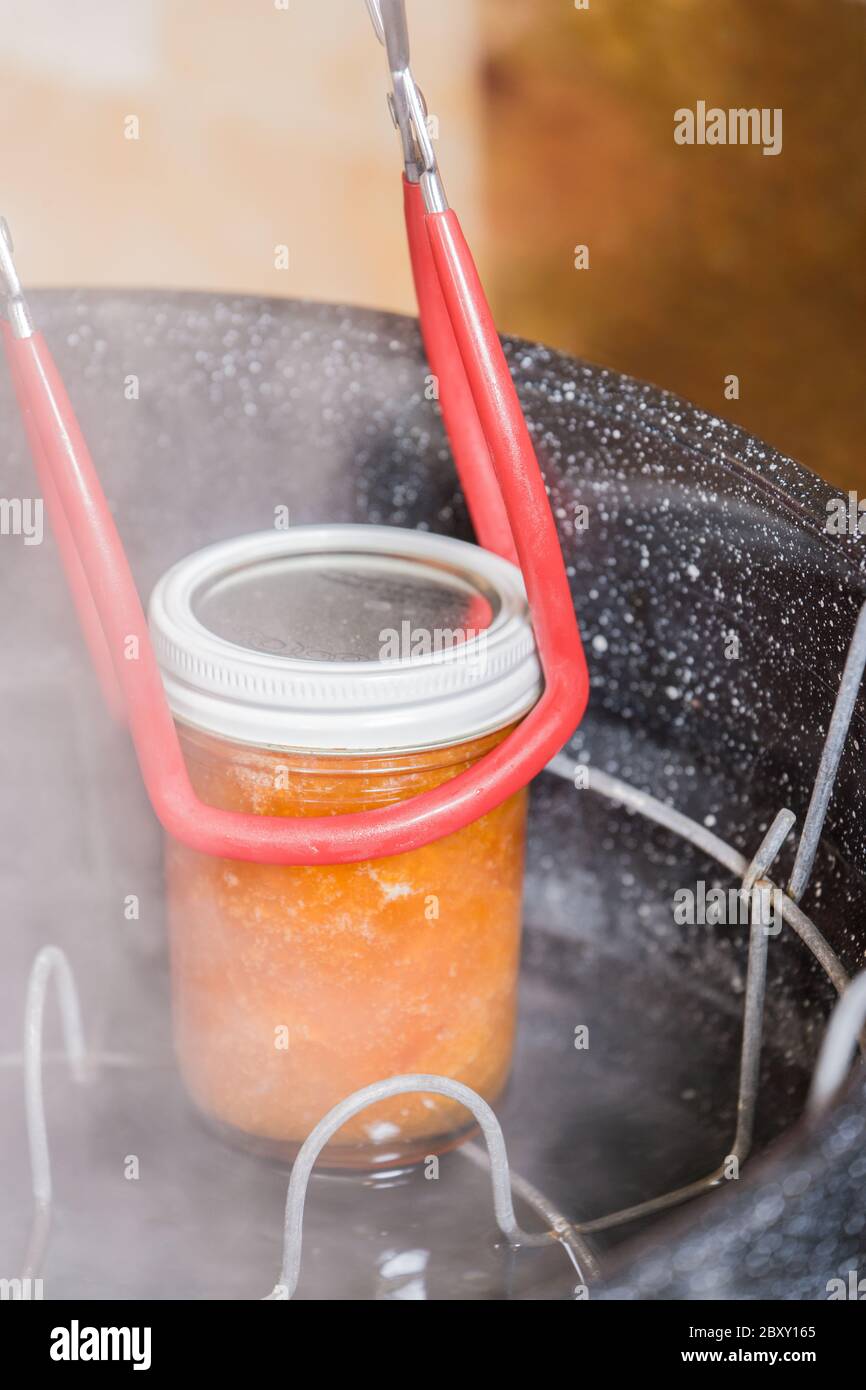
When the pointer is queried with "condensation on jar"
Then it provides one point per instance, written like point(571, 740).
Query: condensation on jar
point(319, 671)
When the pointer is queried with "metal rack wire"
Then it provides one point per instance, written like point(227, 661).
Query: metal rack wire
point(845, 1027)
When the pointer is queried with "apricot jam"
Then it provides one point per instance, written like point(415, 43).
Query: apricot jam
point(294, 986)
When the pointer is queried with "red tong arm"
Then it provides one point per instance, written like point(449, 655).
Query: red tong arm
point(92, 548)
point(517, 472)
point(76, 579)
point(462, 425)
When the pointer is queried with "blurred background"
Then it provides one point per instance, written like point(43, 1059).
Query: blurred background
point(157, 143)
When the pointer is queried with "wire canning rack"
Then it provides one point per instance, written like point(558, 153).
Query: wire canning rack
point(574, 1237)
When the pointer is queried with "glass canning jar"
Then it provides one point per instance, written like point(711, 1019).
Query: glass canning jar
point(314, 672)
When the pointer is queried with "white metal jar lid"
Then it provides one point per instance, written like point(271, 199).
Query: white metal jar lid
point(345, 638)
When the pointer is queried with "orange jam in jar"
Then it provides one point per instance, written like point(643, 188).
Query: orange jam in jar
point(316, 672)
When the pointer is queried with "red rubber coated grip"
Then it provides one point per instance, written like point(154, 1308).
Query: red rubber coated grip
point(460, 417)
point(517, 472)
point(92, 548)
point(76, 579)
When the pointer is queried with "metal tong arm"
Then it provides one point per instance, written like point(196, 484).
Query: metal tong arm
point(406, 102)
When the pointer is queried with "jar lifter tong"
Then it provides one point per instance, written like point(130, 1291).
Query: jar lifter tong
point(498, 472)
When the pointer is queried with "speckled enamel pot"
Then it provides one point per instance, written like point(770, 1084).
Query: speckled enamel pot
point(205, 414)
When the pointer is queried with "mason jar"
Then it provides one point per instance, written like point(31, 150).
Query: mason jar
point(314, 672)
